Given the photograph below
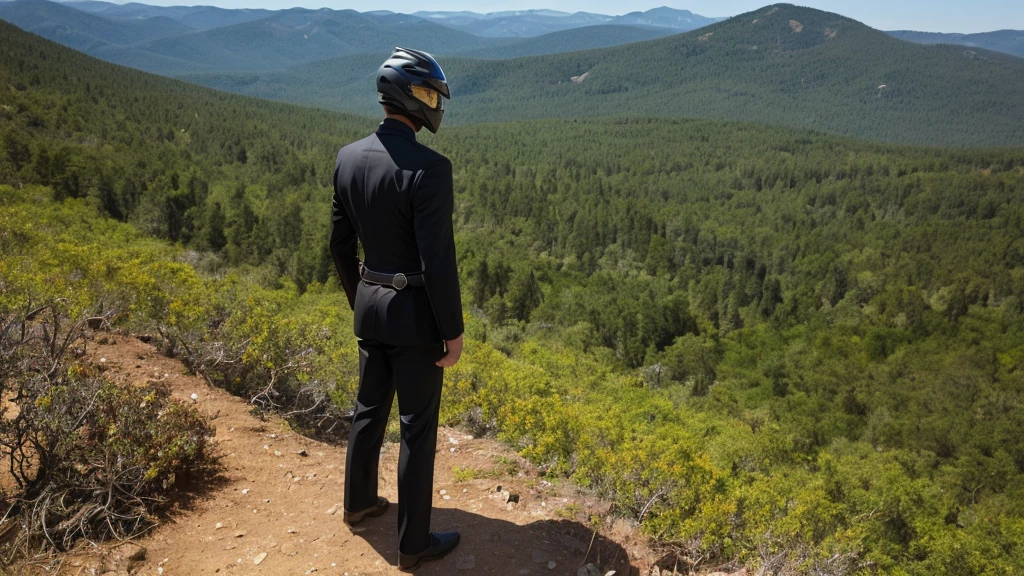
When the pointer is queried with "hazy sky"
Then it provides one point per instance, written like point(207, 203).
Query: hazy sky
point(929, 15)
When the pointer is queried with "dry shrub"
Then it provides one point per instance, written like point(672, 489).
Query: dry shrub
point(83, 457)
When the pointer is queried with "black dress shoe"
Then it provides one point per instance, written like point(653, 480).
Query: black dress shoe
point(353, 518)
point(441, 543)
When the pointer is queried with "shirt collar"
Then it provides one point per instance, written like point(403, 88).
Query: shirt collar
point(397, 127)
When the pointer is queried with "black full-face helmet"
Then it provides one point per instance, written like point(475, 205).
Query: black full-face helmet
point(412, 83)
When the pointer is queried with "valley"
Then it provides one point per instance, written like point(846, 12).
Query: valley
point(753, 294)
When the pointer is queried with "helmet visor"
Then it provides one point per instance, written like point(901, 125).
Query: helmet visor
point(430, 97)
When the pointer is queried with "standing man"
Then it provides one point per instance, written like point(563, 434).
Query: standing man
point(395, 196)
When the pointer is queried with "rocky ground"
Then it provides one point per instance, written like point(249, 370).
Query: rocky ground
point(276, 505)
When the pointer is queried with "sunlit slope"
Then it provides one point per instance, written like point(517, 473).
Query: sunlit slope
point(781, 65)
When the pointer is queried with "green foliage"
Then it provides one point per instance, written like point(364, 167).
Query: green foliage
point(84, 458)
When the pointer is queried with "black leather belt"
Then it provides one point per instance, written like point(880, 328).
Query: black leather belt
point(396, 281)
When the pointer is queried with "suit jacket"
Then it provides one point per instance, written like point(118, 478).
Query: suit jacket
point(395, 195)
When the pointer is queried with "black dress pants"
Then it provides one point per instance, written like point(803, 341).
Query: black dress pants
point(413, 372)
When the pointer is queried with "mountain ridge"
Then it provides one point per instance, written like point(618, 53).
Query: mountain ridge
point(779, 65)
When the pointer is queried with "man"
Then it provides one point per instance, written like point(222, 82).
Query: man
point(395, 195)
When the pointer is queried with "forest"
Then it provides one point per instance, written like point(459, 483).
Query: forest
point(780, 347)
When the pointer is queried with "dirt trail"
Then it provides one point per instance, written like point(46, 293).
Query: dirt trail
point(276, 506)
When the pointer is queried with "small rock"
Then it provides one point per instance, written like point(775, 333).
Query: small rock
point(218, 526)
point(510, 498)
point(194, 397)
point(443, 492)
point(446, 497)
point(245, 491)
point(552, 565)
point(239, 534)
point(259, 558)
point(333, 510)
point(277, 452)
point(465, 562)
point(302, 453)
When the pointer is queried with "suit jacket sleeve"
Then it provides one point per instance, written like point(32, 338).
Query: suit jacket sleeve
point(433, 201)
point(343, 245)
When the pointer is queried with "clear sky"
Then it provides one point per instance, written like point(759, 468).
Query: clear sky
point(928, 15)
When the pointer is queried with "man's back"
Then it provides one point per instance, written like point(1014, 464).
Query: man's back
point(395, 195)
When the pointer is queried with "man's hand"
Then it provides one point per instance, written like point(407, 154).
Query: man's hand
point(454, 348)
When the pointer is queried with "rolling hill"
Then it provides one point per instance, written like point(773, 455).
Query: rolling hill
point(529, 23)
point(573, 39)
point(1008, 41)
point(82, 31)
point(195, 17)
point(294, 36)
point(189, 39)
point(781, 65)
point(148, 38)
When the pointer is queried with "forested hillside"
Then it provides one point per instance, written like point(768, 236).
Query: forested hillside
point(83, 31)
point(181, 40)
point(777, 347)
point(781, 65)
point(272, 40)
point(195, 17)
point(584, 38)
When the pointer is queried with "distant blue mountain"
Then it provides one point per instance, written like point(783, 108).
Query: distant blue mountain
point(1006, 41)
point(195, 17)
point(529, 23)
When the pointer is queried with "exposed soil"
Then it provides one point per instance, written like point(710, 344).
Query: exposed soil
point(275, 507)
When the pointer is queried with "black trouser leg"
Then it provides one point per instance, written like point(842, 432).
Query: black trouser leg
point(373, 405)
point(419, 398)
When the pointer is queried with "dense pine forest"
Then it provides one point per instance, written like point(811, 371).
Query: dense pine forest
point(783, 348)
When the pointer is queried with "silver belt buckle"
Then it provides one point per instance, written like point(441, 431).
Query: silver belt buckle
point(400, 281)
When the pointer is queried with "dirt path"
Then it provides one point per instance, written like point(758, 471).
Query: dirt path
point(276, 507)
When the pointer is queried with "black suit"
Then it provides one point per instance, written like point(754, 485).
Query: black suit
point(395, 195)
